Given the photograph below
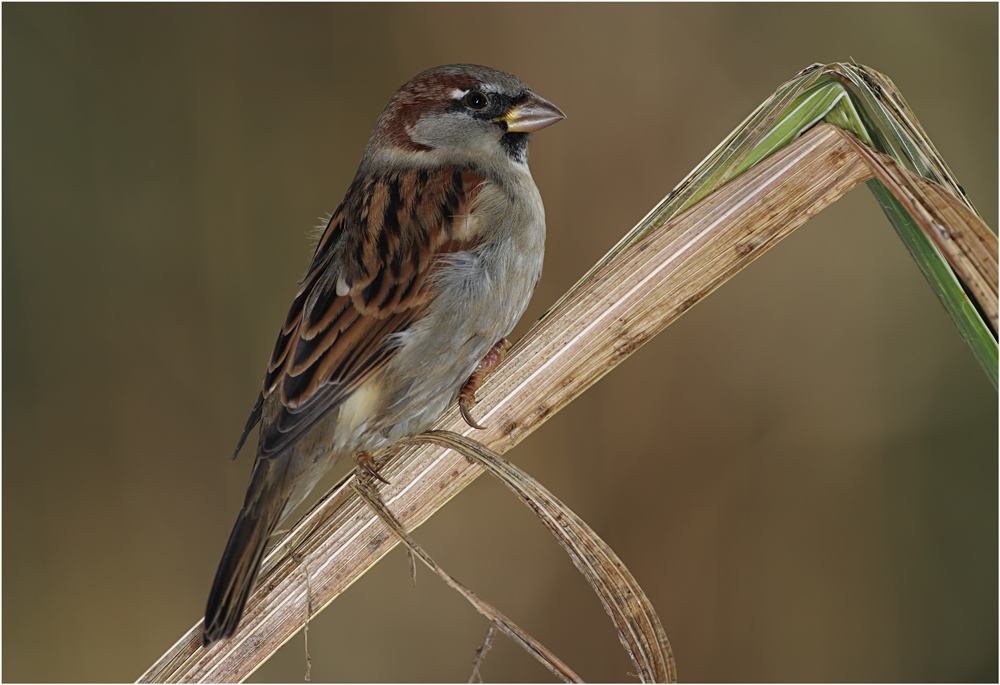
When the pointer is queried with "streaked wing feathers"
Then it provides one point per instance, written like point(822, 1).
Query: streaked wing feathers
point(370, 277)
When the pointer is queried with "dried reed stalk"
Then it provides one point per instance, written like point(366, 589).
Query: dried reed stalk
point(619, 308)
point(635, 619)
point(366, 489)
point(962, 237)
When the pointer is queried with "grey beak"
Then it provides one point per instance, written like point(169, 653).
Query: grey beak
point(533, 114)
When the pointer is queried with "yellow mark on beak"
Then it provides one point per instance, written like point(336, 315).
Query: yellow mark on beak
point(531, 115)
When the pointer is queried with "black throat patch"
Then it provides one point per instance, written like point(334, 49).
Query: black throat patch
point(516, 145)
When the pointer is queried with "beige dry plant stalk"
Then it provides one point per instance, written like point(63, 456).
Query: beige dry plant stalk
point(635, 619)
point(620, 307)
point(367, 491)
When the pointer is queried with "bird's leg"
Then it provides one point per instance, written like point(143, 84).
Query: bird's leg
point(486, 366)
point(365, 462)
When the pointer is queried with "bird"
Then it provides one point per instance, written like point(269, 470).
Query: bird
point(415, 283)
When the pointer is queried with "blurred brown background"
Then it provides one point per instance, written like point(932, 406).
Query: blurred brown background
point(801, 472)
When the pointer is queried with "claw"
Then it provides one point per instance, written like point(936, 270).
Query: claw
point(365, 462)
point(464, 408)
point(486, 366)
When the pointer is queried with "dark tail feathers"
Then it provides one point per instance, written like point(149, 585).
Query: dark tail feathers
point(234, 581)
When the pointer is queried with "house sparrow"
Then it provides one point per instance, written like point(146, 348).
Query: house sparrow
point(420, 275)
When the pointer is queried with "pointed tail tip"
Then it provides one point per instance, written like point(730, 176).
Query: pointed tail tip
point(215, 626)
point(214, 633)
point(221, 622)
point(240, 565)
point(236, 577)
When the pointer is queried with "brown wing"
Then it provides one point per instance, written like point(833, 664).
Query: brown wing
point(381, 247)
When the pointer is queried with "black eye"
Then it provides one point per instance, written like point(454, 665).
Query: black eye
point(476, 100)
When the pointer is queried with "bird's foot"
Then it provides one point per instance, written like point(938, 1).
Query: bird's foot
point(467, 395)
point(365, 462)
